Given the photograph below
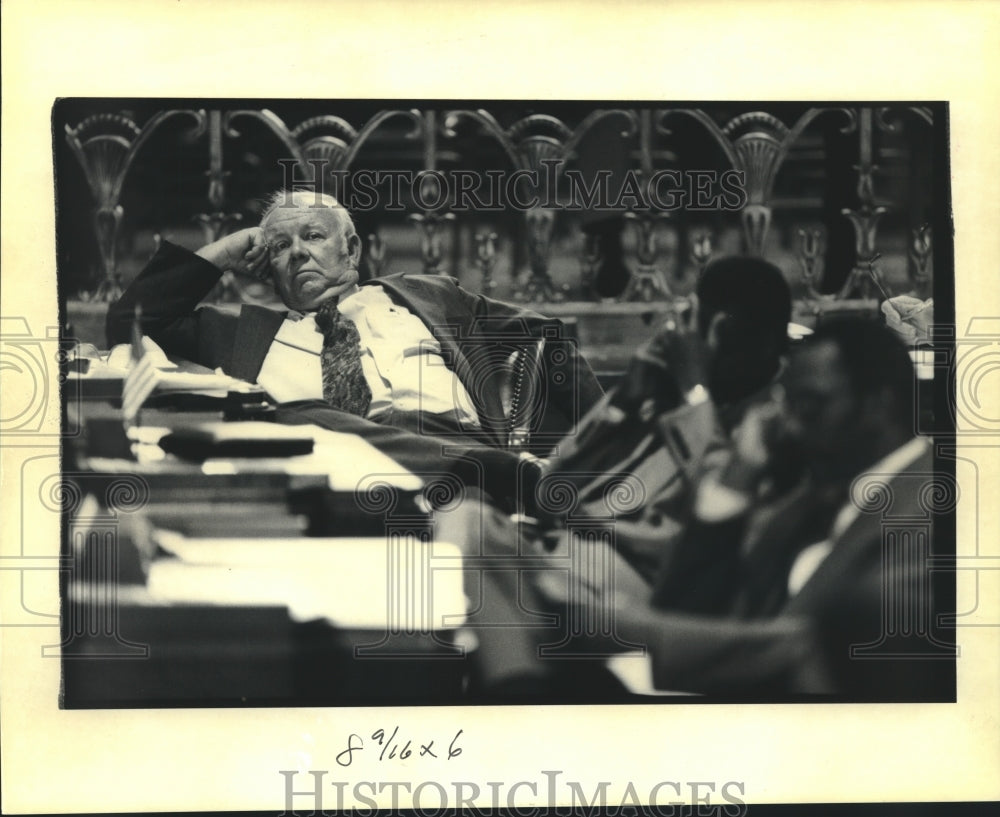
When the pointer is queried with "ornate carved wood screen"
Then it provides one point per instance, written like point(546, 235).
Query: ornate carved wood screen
point(496, 193)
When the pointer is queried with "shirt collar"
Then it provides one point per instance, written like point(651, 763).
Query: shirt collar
point(297, 315)
point(896, 461)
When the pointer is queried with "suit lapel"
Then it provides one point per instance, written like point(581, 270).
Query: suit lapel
point(860, 543)
point(773, 539)
point(254, 335)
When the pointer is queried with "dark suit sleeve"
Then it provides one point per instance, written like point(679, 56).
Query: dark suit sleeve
point(570, 382)
point(721, 656)
point(700, 571)
point(168, 291)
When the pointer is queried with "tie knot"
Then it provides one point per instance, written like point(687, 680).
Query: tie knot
point(327, 316)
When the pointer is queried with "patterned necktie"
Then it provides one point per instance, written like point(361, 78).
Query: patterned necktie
point(344, 384)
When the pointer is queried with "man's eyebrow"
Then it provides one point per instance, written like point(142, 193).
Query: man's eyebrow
point(309, 225)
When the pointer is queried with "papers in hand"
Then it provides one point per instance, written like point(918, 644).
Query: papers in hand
point(365, 583)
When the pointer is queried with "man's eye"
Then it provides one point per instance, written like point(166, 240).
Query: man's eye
point(316, 236)
point(279, 246)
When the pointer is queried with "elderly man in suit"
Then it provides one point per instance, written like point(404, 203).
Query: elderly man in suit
point(383, 358)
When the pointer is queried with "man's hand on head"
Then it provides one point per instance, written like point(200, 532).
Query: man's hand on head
point(243, 252)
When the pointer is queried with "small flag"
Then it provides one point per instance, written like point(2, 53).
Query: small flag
point(142, 375)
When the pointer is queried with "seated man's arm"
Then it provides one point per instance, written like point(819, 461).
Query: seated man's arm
point(726, 656)
point(170, 288)
point(702, 568)
point(698, 653)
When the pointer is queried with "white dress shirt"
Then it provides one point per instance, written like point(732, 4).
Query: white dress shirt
point(400, 358)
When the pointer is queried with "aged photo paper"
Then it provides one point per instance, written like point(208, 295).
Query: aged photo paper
point(58, 55)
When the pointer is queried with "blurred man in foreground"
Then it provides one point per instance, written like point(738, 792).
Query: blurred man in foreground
point(673, 414)
point(827, 592)
point(824, 587)
point(649, 440)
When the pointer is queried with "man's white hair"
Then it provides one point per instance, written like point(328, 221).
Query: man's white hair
point(306, 198)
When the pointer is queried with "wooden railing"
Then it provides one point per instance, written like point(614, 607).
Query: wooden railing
point(655, 141)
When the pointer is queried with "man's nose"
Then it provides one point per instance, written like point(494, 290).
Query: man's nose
point(297, 249)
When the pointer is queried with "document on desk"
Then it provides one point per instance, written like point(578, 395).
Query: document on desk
point(201, 383)
point(363, 583)
point(163, 374)
point(176, 374)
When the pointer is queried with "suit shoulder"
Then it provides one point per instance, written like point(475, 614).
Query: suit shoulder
point(415, 280)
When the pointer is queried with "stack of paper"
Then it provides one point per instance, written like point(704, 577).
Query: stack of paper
point(383, 584)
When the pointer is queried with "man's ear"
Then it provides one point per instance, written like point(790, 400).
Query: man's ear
point(354, 250)
point(717, 330)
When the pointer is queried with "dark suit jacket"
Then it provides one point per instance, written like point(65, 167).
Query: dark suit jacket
point(869, 609)
point(171, 287)
point(862, 627)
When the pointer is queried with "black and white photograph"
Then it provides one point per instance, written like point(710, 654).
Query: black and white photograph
point(521, 408)
point(388, 402)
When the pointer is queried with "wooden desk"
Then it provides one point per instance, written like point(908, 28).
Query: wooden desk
point(209, 655)
point(128, 642)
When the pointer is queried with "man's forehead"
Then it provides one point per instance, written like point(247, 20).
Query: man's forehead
point(296, 216)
